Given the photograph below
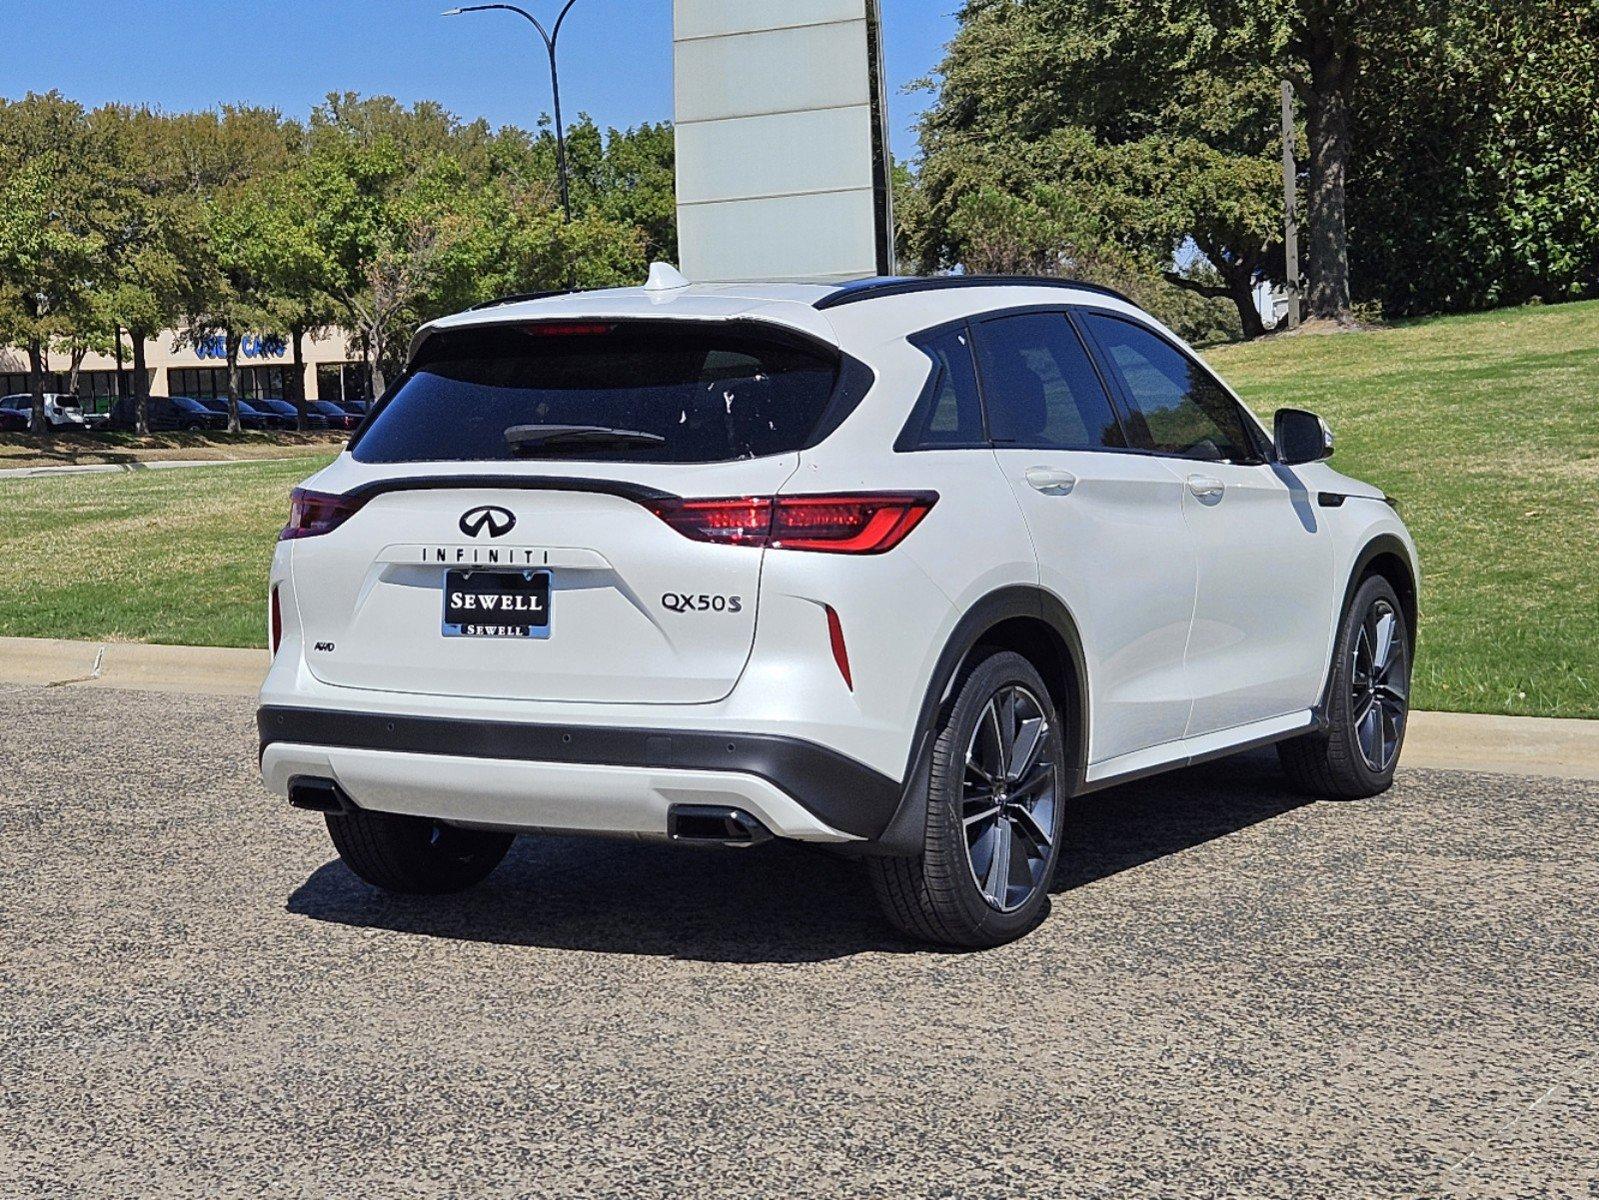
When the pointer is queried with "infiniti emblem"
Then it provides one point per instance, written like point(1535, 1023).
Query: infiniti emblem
point(496, 522)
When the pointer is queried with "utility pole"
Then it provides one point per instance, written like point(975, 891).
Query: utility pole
point(1291, 205)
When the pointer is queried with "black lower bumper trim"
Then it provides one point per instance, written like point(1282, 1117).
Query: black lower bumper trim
point(836, 789)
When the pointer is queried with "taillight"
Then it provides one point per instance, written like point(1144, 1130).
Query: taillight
point(854, 523)
point(277, 621)
point(312, 514)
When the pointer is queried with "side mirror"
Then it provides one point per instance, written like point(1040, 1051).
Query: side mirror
point(1302, 437)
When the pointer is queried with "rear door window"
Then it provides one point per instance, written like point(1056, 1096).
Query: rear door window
point(1041, 388)
point(702, 393)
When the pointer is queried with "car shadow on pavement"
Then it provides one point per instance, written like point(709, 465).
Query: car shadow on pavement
point(780, 903)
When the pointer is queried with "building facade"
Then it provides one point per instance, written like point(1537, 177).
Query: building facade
point(333, 371)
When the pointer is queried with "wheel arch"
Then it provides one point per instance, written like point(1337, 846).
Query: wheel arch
point(1388, 556)
point(1031, 622)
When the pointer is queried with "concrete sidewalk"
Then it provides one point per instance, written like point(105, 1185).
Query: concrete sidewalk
point(1440, 741)
point(124, 468)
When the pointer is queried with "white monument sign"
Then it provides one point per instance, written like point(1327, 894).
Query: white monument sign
point(782, 155)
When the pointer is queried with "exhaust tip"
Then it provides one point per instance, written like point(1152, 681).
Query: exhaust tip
point(713, 825)
point(319, 795)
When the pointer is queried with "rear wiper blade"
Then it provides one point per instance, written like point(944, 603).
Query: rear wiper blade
point(533, 437)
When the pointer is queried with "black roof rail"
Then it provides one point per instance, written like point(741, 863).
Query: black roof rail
point(525, 296)
point(876, 289)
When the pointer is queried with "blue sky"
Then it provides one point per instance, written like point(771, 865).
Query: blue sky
point(616, 55)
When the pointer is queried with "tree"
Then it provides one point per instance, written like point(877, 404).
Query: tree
point(52, 221)
point(1478, 182)
point(225, 156)
point(1118, 113)
point(153, 261)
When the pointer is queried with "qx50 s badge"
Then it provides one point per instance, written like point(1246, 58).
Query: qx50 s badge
point(680, 602)
point(496, 522)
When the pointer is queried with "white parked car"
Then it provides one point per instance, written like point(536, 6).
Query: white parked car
point(898, 568)
point(61, 411)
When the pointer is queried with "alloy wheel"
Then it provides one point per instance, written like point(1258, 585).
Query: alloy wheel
point(1380, 686)
point(1008, 799)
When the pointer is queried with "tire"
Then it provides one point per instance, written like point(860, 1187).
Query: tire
point(413, 855)
point(936, 897)
point(1347, 762)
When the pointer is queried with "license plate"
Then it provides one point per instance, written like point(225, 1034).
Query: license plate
point(497, 604)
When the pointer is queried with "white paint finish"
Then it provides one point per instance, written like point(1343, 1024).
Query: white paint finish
point(822, 236)
point(823, 150)
point(782, 70)
point(1266, 595)
point(542, 796)
point(1115, 549)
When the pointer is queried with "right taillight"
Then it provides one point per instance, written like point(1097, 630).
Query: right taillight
point(311, 514)
point(845, 523)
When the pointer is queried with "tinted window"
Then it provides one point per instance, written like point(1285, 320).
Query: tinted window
point(1178, 407)
point(952, 412)
point(713, 395)
point(1040, 386)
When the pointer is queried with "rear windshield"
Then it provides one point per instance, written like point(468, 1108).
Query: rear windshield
point(709, 394)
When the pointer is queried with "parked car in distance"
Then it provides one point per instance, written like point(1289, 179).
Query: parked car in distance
point(13, 420)
point(63, 412)
point(168, 414)
point(336, 416)
point(290, 415)
point(358, 408)
point(250, 416)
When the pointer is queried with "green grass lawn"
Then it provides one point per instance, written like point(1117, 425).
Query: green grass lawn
point(178, 557)
point(1486, 427)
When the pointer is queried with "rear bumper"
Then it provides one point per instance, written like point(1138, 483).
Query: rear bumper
point(578, 779)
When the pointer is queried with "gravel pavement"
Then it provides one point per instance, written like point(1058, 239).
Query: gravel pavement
point(1236, 994)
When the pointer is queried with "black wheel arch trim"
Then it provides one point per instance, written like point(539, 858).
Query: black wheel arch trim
point(904, 834)
point(1384, 544)
point(838, 790)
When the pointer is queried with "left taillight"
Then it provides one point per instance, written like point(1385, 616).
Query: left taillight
point(846, 523)
point(276, 620)
point(311, 514)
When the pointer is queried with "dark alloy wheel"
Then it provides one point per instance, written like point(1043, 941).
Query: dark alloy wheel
point(1368, 703)
point(995, 814)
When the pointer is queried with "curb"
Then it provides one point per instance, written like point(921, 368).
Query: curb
point(193, 670)
point(1557, 749)
point(127, 468)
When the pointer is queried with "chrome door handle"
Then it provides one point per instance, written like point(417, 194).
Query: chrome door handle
point(1206, 487)
point(1051, 482)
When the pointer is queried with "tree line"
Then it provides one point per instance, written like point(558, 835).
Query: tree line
point(122, 222)
point(1449, 151)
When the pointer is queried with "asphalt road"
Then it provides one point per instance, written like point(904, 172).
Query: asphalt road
point(1236, 994)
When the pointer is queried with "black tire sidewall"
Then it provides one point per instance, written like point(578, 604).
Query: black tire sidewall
point(1340, 700)
point(946, 833)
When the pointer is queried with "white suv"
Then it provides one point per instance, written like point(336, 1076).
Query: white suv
point(897, 568)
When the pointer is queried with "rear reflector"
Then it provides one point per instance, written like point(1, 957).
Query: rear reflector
point(311, 514)
point(835, 634)
point(277, 621)
point(854, 523)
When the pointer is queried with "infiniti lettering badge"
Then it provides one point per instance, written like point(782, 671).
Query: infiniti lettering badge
point(496, 522)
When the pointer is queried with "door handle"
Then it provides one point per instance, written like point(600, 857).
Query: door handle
point(1051, 482)
point(1206, 487)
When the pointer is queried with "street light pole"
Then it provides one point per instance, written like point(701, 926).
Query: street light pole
point(552, 37)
